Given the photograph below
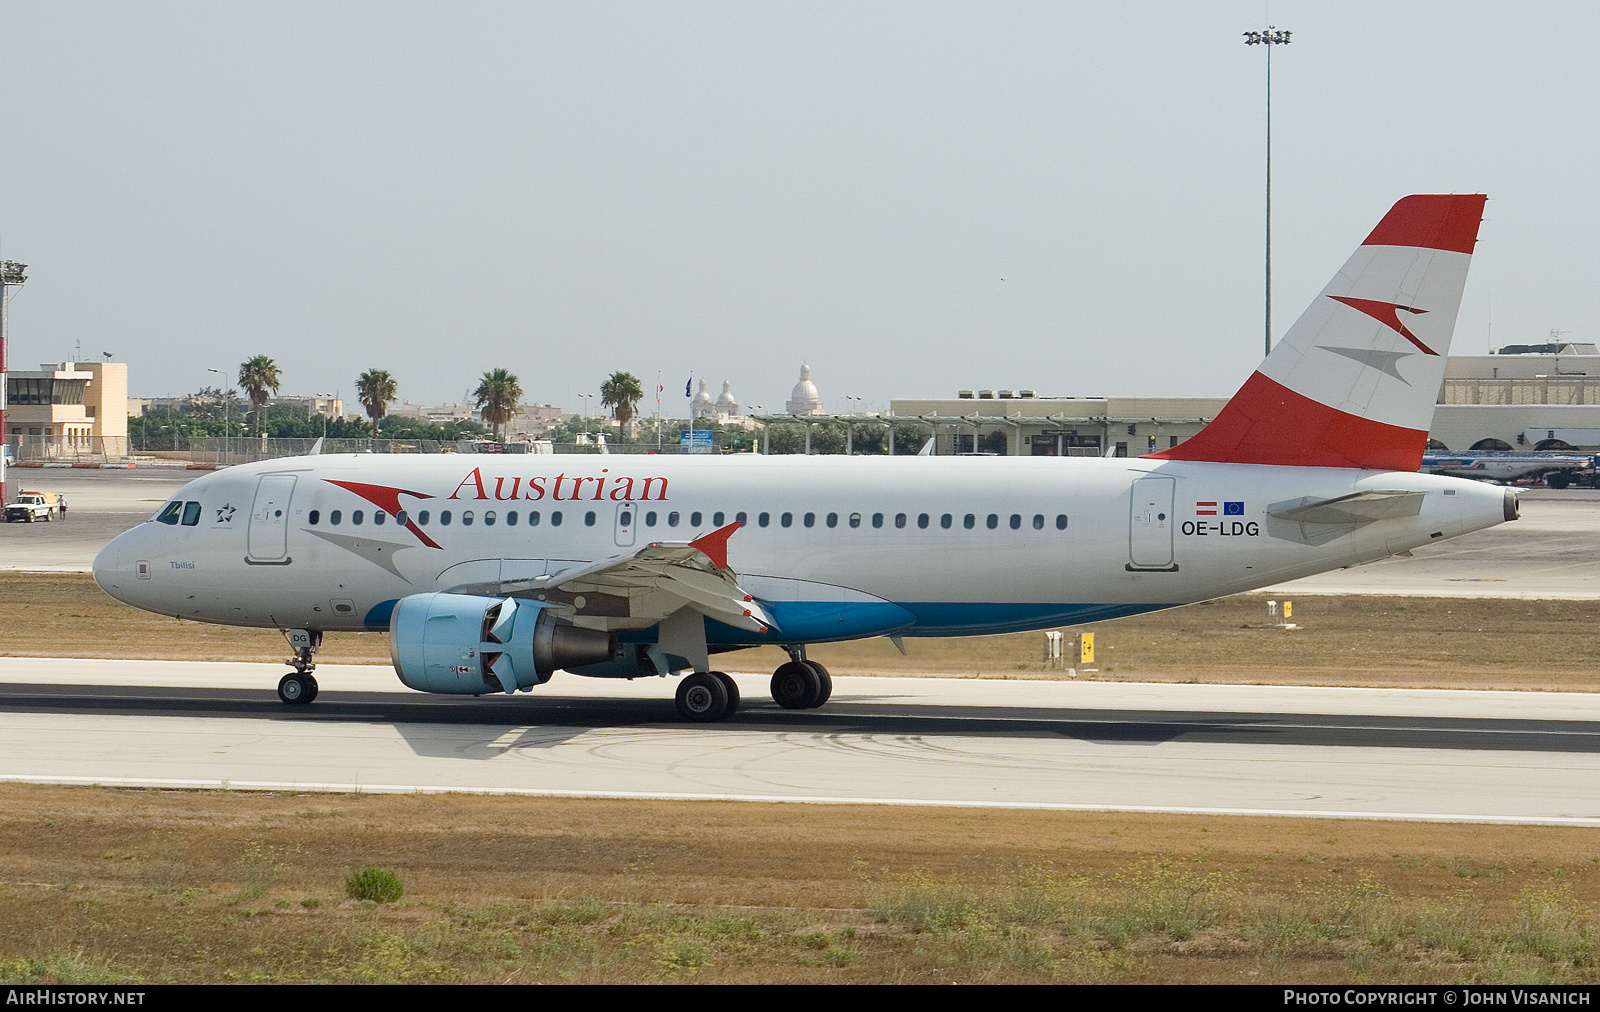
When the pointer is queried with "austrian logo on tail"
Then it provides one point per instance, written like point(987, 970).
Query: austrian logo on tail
point(1388, 314)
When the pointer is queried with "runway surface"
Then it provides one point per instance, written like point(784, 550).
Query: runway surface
point(1371, 753)
point(1552, 552)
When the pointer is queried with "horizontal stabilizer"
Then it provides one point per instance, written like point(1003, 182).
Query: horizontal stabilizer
point(1358, 508)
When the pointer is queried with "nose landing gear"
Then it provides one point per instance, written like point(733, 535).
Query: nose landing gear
point(299, 686)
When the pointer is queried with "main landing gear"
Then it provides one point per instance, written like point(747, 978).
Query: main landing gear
point(801, 684)
point(299, 686)
point(707, 696)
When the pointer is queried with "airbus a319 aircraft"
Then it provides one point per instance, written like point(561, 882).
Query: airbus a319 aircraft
point(492, 573)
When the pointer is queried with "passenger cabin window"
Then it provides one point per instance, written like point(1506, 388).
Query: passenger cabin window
point(400, 518)
point(444, 518)
point(626, 518)
point(764, 519)
point(946, 520)
point(511, 518)
point(877, 519)
point(742, 518)
point(313, 517)
point(900, 520)
point(922, 520)
point(672, 519)
point(555, 518)
point(170, 512)
point(969, 521)
point(717, 518)
point(993, 521)
point(1061, 521)
point(811, 520)
point(378, 517)
point(787, 520)
point(694, 519)
point(355, 518)
point(191, 514)
point(336, 516)
point(466, 518)
point(422, 518)
point(533, 518)
point(650, 519)
point(855, 520)
point(833, 519)
point(488, 518)
point(588, 519)
point(1038, 521)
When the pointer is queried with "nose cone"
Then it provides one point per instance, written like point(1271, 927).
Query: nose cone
point(114, 566)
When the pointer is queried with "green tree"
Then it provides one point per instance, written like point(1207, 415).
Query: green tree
point(259, 378)
point(622, 393)
point(376, 388)
point(497, 397)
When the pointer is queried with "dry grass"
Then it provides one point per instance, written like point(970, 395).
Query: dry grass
point(1425, 642)
point(150, 886)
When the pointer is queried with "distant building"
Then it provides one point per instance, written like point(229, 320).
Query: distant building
point(1521, 397)
point(727, 407)
point(804, 400)
point(701, 405)
point(1021, 423)
point(69, 406)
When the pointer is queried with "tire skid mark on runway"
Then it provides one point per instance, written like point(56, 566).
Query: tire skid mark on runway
point(560, 719)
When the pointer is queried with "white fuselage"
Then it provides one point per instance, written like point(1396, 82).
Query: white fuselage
point(914, 546)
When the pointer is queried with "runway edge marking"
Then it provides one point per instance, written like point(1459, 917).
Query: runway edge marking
point(267, 785)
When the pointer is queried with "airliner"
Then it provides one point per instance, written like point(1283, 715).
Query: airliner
point(492, 573)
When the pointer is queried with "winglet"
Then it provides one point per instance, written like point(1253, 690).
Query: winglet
point(715, 544)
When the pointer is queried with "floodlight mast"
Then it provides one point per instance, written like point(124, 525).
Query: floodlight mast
point(11, 276)
point(1269, 38)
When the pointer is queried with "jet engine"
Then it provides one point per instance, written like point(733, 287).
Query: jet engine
point(471, 645)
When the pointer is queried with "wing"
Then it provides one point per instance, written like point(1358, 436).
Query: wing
point(638, 590)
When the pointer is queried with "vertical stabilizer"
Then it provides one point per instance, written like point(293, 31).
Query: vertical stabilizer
point(1354, 381)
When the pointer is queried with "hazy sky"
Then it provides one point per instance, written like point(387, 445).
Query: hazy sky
point(915, 197)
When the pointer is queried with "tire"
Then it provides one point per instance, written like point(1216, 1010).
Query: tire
point(702, 699)
point(294, 689)
point(827, 683)
point(311, 684)
point(732, 688)
point(796, 686)
point(1558, 479)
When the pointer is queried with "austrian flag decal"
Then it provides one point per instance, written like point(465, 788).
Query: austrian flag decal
point(1209, 509)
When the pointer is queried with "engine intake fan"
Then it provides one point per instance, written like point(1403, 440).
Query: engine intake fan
point(469, 645)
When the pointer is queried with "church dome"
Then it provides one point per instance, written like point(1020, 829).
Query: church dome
point(726, 405)
point(701, 405)
point(805, 399)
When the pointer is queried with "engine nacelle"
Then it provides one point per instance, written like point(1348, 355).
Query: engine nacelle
point(471, 645)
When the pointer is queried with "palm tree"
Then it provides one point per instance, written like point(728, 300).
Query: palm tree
point(498, 395)
point(376, 388)
point(259, 378)
point(621, 393)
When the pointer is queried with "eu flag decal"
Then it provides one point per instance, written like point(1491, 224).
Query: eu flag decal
point(1233, 509)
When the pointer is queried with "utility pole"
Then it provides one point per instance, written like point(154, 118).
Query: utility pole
point(1269, 38)
point(11, 276)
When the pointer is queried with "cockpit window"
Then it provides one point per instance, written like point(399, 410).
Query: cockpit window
point(169, 514)
point(191, 514)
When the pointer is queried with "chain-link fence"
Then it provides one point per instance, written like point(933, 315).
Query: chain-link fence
point(58, 449)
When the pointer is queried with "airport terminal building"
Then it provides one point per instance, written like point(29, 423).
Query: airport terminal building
point(1521, 397)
